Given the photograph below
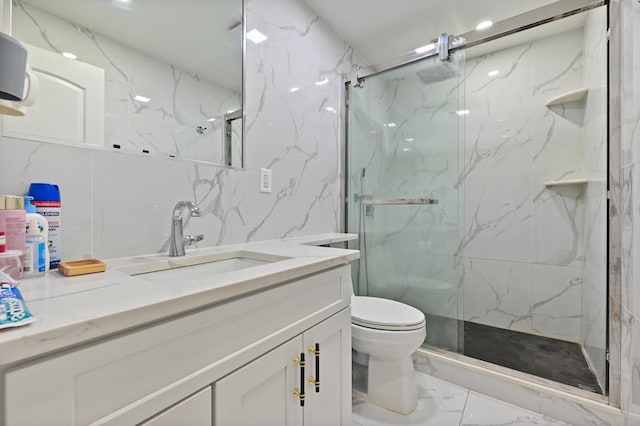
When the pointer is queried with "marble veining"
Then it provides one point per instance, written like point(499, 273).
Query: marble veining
point(294, 134)
point(444, 404)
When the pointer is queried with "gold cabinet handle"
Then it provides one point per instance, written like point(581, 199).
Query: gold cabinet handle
point(300, 396)
point(315, 350)
point(299, 392)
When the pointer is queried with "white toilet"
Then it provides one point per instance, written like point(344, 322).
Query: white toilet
point(385, 333)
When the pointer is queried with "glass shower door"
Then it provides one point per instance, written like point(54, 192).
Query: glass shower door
point(404, 192)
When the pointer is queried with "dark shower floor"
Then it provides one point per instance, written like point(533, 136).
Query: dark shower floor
point(551, 359)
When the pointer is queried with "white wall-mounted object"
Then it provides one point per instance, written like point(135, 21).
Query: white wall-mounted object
point(566, 182)
point(265, 180)
point(565, 98)
point(70, 107)
point(146, 373)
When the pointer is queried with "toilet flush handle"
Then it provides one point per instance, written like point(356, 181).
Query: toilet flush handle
point(315, 350)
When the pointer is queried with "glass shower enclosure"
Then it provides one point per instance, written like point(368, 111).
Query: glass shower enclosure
point(477, 187)
point(403, 190)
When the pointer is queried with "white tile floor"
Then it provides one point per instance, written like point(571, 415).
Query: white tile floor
point(444, 404)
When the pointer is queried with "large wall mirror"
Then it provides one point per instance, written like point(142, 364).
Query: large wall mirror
point(155, 77)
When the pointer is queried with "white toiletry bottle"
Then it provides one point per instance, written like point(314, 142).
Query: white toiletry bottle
point(43, 226)
point(46, 198)
point(34, 257)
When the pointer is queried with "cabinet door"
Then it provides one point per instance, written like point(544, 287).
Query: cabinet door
point(330, 403)
point(261, 393)
point(193, 411)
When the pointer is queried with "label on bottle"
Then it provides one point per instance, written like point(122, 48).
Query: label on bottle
point(52, 212)
point(34, 258)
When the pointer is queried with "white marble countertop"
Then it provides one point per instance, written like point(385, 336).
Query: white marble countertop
point(75, 310)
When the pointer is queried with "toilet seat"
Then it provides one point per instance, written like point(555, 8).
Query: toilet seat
point(385, 314)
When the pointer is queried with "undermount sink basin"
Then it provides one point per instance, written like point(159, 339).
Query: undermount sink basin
point(180, 269)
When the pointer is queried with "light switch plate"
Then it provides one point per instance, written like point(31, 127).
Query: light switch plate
point(265, 180)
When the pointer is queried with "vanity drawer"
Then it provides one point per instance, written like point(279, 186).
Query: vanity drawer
point(156, 366)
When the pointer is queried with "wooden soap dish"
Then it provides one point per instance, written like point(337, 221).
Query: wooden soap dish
point(81, 267)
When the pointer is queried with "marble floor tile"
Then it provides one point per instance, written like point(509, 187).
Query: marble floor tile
point(443, 404)
point(439, 404)
point(483, 410)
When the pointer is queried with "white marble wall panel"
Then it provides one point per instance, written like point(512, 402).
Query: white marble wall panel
point(498, 293)
point(626, 16)
point(557, 302)
point(26, 161)
point(117, 204)
point(180, 100)
point(514, 226)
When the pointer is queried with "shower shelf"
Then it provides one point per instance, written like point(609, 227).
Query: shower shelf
point(566, 182)
point(573, 96)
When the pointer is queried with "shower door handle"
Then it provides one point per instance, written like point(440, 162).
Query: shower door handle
point(399, 201)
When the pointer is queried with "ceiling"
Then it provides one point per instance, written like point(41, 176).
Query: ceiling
point(201, 36)
point(383, 29)
point(210, 35)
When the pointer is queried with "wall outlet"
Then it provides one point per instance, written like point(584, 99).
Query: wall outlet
point(265, 180)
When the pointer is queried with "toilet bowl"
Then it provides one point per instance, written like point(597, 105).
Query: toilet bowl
point(384, 335)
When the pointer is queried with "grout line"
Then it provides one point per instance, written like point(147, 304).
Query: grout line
point(465, 407)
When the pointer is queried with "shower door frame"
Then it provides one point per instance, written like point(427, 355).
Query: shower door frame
point(534, 18)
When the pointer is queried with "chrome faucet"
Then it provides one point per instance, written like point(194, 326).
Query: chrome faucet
point(178, 239)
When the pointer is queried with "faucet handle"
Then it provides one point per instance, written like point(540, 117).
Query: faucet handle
point(190, 239)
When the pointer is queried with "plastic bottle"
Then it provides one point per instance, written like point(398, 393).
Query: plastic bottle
point(46, 199)
point(34, 256)
point(12, 221)
point(42, 226)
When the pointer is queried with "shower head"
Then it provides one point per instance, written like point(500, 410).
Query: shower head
point(437, 72)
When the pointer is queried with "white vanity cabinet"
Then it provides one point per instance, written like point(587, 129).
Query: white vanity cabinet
point(267, 391)
point(196, 410)
point(201, 363)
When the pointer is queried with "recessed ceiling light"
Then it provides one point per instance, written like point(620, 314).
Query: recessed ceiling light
point(294, 89)
point(256, 36)
point(322, 82)
point(484, 25)
point(69, 55)
point(211, 119)
point(390, 125)
point(425, 48)
point(409, 139)
point(462, 112)
point(142, 99)
point(406, 149)
point(330, 109)
point(493, 73)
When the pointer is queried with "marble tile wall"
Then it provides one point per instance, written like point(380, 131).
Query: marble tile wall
point(117, 204)
point(180, 100)
point(523, 242)
point(625, 210)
